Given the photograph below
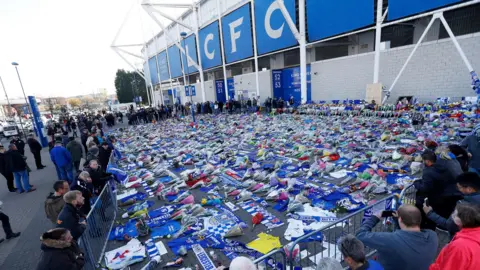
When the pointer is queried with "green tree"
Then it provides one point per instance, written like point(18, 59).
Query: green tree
point(128, 85)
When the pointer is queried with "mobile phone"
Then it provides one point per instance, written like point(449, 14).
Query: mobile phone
point(426, 202)
point(387, 213)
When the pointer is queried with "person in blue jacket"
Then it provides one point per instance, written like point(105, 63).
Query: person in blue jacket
point(353, 252)
point(63, 161)
point(409, 248)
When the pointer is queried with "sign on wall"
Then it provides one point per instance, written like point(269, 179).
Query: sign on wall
point(210, 52)
point(326, 18)
point(187, 91)
point(163, 66)
point(193, 90)
point(220, 89)
point(237, 34)
point(190, 47)
point(403, 8)
point(273, 32)
point(174, 61)
point(152, 66)
point(287, 83)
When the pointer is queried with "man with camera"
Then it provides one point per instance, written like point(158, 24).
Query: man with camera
point(404, 249)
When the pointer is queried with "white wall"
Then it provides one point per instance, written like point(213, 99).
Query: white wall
point(247, 82)
point(209, 92)
point(436, 70)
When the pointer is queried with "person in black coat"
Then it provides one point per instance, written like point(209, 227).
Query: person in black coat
point(436, 181)
point(69, 217)
point(84, 138)
point(19, 143)
point(83, 183)
point(19, 167)
point(59, 251)
point(461, 155)
point(5, 169)
point(35, 148)
point(99, 177)
point(104, 155)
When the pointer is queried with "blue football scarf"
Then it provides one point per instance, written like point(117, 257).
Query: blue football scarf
point(166, 230)
point(203, 258)
point(120, 175)
point(162, 211)
point(146, 204)
point(128, 229)
point(281, 206)
point(139, 196)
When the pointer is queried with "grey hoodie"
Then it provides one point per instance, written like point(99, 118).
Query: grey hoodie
point(448, 224)
point(402, 250)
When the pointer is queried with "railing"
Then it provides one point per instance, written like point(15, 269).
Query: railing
point(276, 260)
point(407, 196)
point(100, 221)
point(309, 249)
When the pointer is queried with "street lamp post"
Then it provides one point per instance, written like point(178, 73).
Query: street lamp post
point(184, 35)
point(15, 64)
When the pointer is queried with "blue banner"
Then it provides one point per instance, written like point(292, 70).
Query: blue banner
point(163, 66)
point(287, 83)
point(326, 18)
point(174, 61)
point(38, 121)
point(187, 91)
point(190, 47)
point(231, 88)
point(273, 32)
point(210, 52)
point(220, 89)
point(237, 34)
point(404, 8)
point(193, 90)
point(152, 66)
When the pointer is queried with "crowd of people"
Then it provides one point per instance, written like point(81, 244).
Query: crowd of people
point(77, 186)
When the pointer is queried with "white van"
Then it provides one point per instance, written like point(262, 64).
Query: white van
point(10, 130)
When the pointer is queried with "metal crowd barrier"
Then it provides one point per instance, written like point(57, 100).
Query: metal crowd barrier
point(407, 196)
point(100, 221)
point(307, 252)
point(275, 259)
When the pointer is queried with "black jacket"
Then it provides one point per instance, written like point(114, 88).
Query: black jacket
point(69, 218)
point(60, 255)
point(436, 180)
point(16, 161)
point(99, 177)
point(34, 145)
point(104, 156)
point(20, 145)
point(5, 163)
point(87, 191)
point(84, 137)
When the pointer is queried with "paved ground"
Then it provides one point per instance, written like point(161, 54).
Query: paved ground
point(27, 215)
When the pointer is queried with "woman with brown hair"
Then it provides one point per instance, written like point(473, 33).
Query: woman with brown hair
point(60, 251)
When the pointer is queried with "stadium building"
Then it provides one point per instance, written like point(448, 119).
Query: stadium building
point(313, 50)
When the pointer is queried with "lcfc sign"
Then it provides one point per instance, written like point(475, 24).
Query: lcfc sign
point(237, 34)
point(210, 46)
point(273, 32)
